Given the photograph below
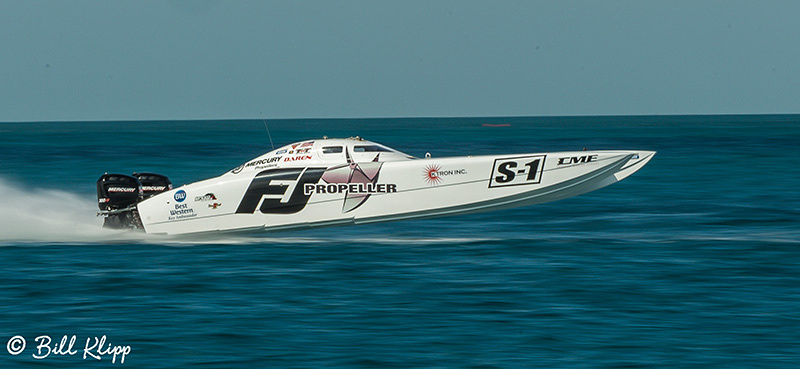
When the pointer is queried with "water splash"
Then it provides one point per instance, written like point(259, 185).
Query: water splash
point(47, 215)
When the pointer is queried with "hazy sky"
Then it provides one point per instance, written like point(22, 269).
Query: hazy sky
point(206, 59)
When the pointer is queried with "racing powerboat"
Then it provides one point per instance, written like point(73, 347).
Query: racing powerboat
point(331, 182)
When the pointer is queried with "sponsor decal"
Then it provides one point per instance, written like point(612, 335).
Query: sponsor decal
point(298, 148)
point(214, 205)
point(154, 188)
point(577, 159)
point(433, 173)
point(206, 197)
point(298, 158)
point(279, 191)
point(257, 164)
point(180, 196)
point(514, 171)
point(350, 188)
point(288, 190)
point(122, 189)
point(294, 151)
point(358, 181)
point(181, 211)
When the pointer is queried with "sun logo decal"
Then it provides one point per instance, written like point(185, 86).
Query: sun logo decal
point(431, 174)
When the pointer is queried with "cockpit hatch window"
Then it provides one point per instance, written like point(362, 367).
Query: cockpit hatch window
point(332, 150)
point(371, 148)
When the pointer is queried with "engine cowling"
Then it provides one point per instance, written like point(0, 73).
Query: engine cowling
point(118, 194)
point(153, 184)
point(118, 191)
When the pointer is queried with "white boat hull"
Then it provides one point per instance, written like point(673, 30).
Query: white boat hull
point(313, 192)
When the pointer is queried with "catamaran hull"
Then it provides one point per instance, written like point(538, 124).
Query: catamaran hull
point(312, 193)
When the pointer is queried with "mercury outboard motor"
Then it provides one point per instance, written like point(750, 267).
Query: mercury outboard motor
point(118, 194)
point(153, 184)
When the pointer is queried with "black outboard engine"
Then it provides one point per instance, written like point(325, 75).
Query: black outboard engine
point(118, 194)
point(153, 184)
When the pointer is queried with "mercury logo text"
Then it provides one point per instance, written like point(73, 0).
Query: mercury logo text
point(121, 189)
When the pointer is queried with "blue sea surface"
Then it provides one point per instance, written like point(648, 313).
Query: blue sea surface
point(694, 261)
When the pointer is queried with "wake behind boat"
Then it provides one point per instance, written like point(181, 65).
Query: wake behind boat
point(330, 182)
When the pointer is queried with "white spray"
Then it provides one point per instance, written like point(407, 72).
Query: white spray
point(46, 215)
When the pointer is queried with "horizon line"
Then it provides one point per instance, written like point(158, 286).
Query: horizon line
point(627, 116)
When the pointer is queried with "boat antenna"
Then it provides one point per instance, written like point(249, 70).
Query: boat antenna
point(270, 134)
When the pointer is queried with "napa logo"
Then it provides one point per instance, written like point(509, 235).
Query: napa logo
point(180, 196)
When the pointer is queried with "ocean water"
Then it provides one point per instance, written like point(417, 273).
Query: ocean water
point(694, 261)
